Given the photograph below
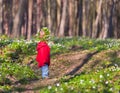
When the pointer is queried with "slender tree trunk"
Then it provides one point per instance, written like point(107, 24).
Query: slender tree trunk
point(85, 18)
point(117, 19)
point(39, 14)
point(104, 33)
point(71, 16)
point(95, 24)
point(62, 24)
point(10, 18)
point(30, 9)
point(6, 17)
point(110, 29)
point(49, 16)
point(92, 16)
point(1, 17)
point(44, 18)
point(58, 16)
point(80, 15)
point(53, 15)
point(76, 25)
point(18, 19)
point(14, 13)
point(25, 25)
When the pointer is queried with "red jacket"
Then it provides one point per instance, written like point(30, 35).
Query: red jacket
point(43, 54)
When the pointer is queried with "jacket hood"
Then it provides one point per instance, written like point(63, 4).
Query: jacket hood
point(41, 44)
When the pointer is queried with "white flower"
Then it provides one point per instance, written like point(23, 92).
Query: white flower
point(101, 76)
point(61, 88)
point(81, 81)
point(49, 87)
point(100, 80)
point(108, 75)
point(57, 84)
point(92, 81)
point(106, 82)
point(72, 88)
point(97, 70)
point(111, 89)
point(66, 83)
point(93, 87)
point(50, 44)
point(116, 65)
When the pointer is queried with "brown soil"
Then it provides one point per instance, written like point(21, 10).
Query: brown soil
point(67, 64)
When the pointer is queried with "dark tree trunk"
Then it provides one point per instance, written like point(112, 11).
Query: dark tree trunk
point(95, 24)
point(39, 14)
point(58, 16)
point(63, 19)
point(53, 15)
point(1, 16)
point(17, 23)
point(85, 17)
point(30, 9)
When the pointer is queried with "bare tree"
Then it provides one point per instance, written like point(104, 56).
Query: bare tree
point(49, 14)
point(85, 17)
point(53, 15)
point(71, 16)
point(63, 18)
point(95, 24)
point(105, 21)
point(39, 14)
point(1, 19)
point(58, 16)
point(30, 9)
point(17, 20)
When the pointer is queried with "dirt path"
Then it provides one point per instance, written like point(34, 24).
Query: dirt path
point(64, 64)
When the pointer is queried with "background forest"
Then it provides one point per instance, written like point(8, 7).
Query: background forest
point(84, 43)
point(85, 18)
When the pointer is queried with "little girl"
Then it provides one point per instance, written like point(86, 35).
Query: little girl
point(43, 53)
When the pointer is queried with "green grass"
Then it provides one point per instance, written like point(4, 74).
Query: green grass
point(13, 53)
point(102, 81)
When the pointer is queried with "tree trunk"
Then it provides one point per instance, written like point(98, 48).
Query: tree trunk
point(95, 24)
point(53, 15)
point(18, 19)
point(80, 8)
point(48, 15)
point(39, 14)
point(6, 16)
point(1, 17)
point(30, 8)
point(105, 22)
point(116, 21)
point(72, 17)
point(110, 29)
point(44, 19)
point(76, 25)
point(58, 16)
point(63, 19)
point(11, 17)
point(85, 17)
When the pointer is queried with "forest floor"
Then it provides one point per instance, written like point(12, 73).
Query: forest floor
point(66, 64)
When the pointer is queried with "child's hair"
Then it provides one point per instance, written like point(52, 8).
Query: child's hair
point(47, 33)
point(46, 30)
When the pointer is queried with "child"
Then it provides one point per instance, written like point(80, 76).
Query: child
point(43, 53)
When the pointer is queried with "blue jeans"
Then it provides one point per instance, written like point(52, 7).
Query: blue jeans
point(44, 70)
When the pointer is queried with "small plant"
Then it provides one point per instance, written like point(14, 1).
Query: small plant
point(102, 81)
point(18, 71)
